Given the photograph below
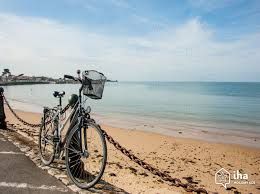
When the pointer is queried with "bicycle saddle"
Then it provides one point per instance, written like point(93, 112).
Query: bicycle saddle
point(58, 94)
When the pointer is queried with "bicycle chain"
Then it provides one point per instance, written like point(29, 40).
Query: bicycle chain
point(164, 176)
point(30, 124)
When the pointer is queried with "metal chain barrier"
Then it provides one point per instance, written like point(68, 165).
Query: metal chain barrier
point(188, 187)
point(164, 176)
point(30, 124)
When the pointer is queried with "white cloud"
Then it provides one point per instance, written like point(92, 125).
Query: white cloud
point(186, 52)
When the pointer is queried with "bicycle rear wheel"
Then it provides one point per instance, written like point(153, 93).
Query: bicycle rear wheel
point(46, 145)
point(86, 168)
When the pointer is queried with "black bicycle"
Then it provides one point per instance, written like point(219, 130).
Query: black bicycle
point(83, 144)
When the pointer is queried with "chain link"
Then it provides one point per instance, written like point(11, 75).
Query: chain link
point(164, 176)
point(30, 124)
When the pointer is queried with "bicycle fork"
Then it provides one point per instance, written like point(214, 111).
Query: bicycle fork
point(83, 140)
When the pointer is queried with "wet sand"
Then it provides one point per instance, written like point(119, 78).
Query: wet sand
point(179, 157)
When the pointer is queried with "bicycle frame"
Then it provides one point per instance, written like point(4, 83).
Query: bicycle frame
point(75, 116)
point(61, 126)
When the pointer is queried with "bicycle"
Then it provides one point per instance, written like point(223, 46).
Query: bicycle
point(84, 143)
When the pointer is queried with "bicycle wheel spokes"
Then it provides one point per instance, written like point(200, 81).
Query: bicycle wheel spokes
point(95, 152)
point(73, 151)
point(86, 167)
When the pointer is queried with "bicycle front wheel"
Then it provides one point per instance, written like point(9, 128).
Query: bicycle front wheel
point(86, 155)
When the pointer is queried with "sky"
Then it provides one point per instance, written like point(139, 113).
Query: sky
point(138, 40)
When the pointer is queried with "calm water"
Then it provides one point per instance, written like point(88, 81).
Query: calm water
point(160, 105)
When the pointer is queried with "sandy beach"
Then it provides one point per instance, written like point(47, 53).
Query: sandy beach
point(180, 157)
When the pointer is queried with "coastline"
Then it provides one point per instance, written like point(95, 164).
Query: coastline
point(22, 83)
point(241, 138)
point(180, 157)
point(189, 130)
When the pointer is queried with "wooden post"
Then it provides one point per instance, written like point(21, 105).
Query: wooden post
point(2, 110)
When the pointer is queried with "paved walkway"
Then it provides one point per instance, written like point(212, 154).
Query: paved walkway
point(19, 175)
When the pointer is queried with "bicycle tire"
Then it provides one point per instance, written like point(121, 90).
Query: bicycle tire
point(70, 144)
point(46, 161)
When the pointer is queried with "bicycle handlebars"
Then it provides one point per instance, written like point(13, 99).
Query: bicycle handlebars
point(86, 81)
point(69, 77)
point(72, 78)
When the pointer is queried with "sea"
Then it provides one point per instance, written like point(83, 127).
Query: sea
point(162, 107)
